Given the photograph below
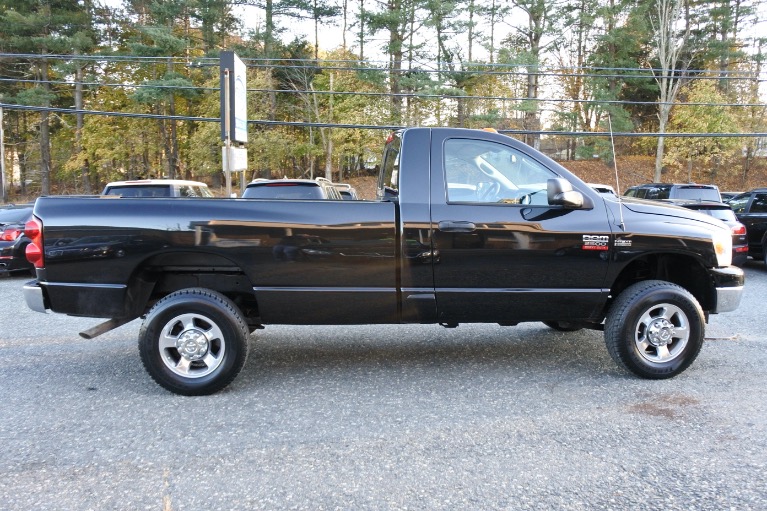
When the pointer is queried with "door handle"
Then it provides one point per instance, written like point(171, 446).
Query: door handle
point(456, 226)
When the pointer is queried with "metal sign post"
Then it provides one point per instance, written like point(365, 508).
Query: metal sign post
point(227, 137)
point(234, 117)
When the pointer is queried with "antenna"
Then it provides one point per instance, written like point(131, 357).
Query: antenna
point(615, 166)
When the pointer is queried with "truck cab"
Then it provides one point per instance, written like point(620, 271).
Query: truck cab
point(501, 237)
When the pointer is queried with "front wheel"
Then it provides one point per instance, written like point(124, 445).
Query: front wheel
point(655, 329)
point(194, 342)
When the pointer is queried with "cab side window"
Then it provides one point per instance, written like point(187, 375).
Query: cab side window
point(759, 204)
point(388, 181)
point(479, 171)
point(739, 202)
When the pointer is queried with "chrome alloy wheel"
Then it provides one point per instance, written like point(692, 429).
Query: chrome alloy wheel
point(191, 345)
point(661, 333)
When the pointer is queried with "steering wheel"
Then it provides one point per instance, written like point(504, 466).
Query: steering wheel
point(488, 191)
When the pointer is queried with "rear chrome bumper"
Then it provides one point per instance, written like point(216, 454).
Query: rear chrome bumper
point(34, 296)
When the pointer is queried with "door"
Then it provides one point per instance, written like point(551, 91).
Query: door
point(505, 255)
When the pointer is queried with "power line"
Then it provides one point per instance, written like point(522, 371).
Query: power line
point(340, 65)
point(413, 95)
point(300, 124)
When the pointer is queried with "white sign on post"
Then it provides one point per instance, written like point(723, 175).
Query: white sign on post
point(239, 159)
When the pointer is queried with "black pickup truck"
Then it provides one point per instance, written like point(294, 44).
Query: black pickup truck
point(468, 226)
point(751, 210)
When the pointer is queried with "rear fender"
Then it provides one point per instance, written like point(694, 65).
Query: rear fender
point(166, 273)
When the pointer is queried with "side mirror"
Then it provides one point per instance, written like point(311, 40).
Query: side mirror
point(390, 194)
point(560, 193)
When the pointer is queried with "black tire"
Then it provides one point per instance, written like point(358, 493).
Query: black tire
point(562, 326)
point(764, 249)
point(655, 329)
point(194, 342)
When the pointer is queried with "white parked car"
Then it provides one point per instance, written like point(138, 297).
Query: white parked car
point(157, 188)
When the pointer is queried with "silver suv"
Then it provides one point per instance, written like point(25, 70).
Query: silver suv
point(319, 188)
point(157, 188)
point(658, 191)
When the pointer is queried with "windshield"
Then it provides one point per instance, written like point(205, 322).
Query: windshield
point(283, 191)
point(697, 193)
point(140, 191)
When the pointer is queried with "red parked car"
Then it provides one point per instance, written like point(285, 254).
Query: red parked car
point(13, 242)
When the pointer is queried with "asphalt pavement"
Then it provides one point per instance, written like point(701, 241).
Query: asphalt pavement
point(383, 417)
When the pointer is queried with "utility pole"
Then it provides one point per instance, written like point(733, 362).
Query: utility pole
point(227, 135)
point(3, 184)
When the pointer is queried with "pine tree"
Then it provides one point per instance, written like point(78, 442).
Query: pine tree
point(42, 28)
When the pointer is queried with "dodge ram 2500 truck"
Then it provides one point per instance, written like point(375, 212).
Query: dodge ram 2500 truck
point(468, 226)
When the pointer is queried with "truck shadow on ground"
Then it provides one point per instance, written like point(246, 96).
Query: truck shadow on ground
point(355, 352)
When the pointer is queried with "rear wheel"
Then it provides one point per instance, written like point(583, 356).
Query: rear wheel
point(194, 342)
point(655, 329)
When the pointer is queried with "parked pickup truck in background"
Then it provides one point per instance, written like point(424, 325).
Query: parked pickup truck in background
point(751, 210)
point(468, 227)
point(319, 188)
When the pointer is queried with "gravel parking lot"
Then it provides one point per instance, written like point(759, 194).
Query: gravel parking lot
point(395, 417)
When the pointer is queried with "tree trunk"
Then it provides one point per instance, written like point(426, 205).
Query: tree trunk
point(493, 15)
point(172, 146)
point(329, 155)
point(45, 135)
point(345, 24)
point(671, 47)
point(268, 53)
point(21, 154)
point(316, 32)
point(532, 123)
point(361, 33)
point(664, 110)
point(85, 169)
point(689, 168)
point(329, 143)
point(396, 43)
point(311, 158)
point(471, 28)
